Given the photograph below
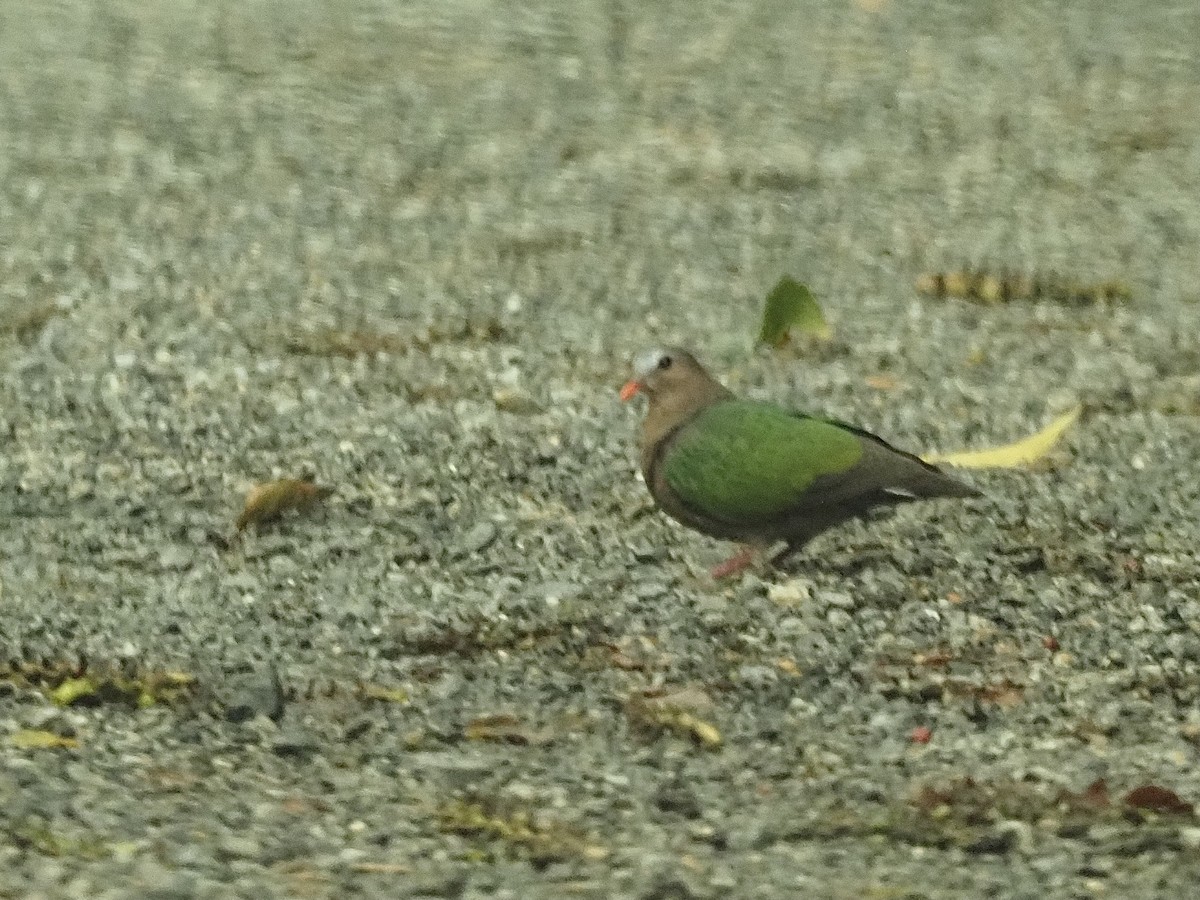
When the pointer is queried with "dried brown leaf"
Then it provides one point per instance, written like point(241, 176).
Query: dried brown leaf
point(1156, 798)
point(541, 838)
point(515, 402)
point(933, 659)
point(1096, 793)
point(268, 501)
point(382, 693)
point(674, 711)
point(1092, 798)
point(1005, 694)
point(27, 323)
point(380, 868)
point(882, 382)
point(992, 288)
point(503, 728)
point(347, 344)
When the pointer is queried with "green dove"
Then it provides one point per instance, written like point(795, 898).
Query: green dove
point(756, 473)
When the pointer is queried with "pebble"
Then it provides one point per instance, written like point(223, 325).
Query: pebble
point(649, 590)
point(480, 536)
point(259, 693)
point(295, 743)
point(239, 846)
point(838, 599)
point(789, 593)
point(838, 618)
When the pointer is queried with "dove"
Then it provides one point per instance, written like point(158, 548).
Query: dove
point(756, 473)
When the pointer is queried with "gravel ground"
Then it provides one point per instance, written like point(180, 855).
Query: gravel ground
point(408, 249)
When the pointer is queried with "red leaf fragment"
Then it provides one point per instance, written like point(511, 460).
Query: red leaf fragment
point(1096, 794)
point(922, 734)
point(1092, 798)
point(933, 659)
point(1158, 799)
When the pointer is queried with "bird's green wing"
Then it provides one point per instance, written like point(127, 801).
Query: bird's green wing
point(745, 462)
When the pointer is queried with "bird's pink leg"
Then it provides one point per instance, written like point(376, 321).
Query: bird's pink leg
point(735, 563)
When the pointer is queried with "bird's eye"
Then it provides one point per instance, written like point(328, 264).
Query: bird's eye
point(664, 362)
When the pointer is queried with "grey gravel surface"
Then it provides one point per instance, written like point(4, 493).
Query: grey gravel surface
point(207, 207)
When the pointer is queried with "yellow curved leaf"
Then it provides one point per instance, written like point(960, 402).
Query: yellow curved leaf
point(1010, 456)
point(36, 739)
point(72, 690)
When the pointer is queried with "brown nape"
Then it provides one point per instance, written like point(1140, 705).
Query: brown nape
point(676, 394)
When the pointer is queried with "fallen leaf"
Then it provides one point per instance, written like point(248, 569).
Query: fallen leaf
point(922, 734)
point(991, 288)
point(1010, 456)
point(33, 739)
point(512, 401)
point(882, 382)
point(29, 322)
point(1096, 793)
point(787, 665)
point(1004, 694)
point(379, 868)
point(621, 660)
point(170, 780)
point(160, 687)
point(72, 690)
point(934, 659)
point(630, 655)
point(268, 501)
point(348, 344)
point(544, 839)
point(791, 306)
point(660, 710)
point(1158, 799)
point(383, 693)
point(503, 728)
point(72, 683)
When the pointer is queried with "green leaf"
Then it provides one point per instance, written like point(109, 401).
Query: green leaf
point(383, 693)
point(791, 307)
point(73, 690)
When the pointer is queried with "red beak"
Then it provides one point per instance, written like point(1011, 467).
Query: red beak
point(630, 389)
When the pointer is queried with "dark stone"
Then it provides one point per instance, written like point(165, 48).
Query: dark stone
point(677, 797)
point(258, 693)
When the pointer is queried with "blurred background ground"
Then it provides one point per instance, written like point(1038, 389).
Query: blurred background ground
point(409, 248)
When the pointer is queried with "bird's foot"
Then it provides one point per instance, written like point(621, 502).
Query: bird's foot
point(736, 563)
point(784, 555)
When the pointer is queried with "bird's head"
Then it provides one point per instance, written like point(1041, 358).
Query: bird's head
point(674, 383)
point(663, 371)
